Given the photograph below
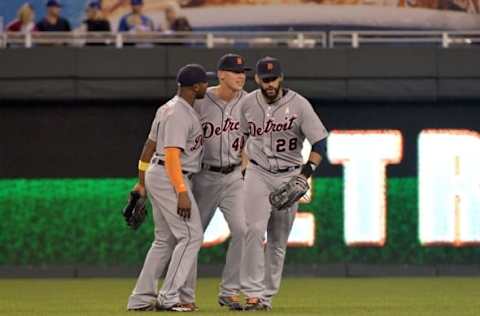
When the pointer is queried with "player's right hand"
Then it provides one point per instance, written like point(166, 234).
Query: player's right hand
point(140, 189)
point(184, 205)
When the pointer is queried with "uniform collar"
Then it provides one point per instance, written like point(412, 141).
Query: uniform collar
point(186, 104)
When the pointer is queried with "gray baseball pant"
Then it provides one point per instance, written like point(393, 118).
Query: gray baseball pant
point(225, 191)
point(177, 242)
point(263, 265)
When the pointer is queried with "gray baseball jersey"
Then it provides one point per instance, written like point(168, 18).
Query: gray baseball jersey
point(177, 124)
point(277, 131)
point(223, 138)
point(177, 240)
point(276, 135)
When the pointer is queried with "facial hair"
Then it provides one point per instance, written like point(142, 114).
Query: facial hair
point(269, 98)
point(201, 95)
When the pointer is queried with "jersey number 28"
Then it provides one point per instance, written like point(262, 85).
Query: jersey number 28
point(282, 144)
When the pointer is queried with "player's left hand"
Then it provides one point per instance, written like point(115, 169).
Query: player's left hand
point(184, 205)
point(140, 189)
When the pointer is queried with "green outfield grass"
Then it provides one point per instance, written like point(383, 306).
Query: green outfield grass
point(299, 296)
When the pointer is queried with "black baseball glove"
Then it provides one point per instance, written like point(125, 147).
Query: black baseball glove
point(287, 194)
point(135, 210)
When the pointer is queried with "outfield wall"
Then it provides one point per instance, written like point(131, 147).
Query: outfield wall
point(103, 139)
point(73, 122)
point(66, 169)
point(78, 222)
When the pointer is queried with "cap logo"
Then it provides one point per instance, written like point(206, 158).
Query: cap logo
point(239, 61)
point(269, 66)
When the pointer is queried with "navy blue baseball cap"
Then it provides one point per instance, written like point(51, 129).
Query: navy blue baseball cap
point(233, 63)
point(54, 3)
point(136, 2)
point(95, 5)
point(269, 67)
point(191, 74)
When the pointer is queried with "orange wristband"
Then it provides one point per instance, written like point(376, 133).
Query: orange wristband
point(174, 168)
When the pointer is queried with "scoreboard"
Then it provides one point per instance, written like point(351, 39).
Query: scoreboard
point(448, 188)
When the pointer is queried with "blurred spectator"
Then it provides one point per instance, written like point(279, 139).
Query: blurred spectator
point(53, 22)
point(136, 21)
point(95, 21)
point(176, 23)
point(460, 5)
point(25, 20)
point(197, 3)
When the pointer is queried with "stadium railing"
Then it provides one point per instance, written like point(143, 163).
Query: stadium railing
point(209, 40)
point(330, 39)
point(441, 38)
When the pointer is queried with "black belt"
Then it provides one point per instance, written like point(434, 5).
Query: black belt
point(162, 163)
point(287, 169)
point(224, 170)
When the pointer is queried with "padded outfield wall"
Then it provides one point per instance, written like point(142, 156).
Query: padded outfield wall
point(66, 168)
point(72, 125)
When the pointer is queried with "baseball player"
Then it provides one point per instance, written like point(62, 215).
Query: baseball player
point(277, 121)
point(220, 182)
point(174, 150)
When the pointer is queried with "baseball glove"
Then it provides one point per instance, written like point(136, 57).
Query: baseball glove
point(287, 194)
point(135, 211)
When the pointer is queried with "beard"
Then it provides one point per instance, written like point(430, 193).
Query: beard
point(271, 94)
point(200, 95)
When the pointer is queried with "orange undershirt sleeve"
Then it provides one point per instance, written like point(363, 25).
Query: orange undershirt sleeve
point(174, 168)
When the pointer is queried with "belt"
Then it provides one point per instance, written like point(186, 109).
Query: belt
point(162, 163)
point(224, 170)
point(287, 169)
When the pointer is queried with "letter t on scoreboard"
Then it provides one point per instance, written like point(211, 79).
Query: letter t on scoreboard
point(449, 187)
point(365, 155)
